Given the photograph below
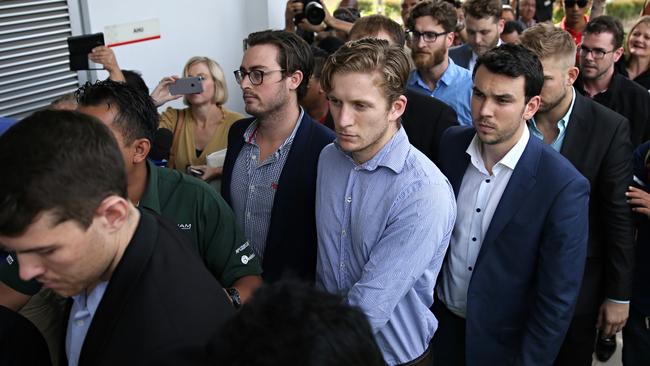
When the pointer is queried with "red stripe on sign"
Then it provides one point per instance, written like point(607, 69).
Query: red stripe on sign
point(134, 41)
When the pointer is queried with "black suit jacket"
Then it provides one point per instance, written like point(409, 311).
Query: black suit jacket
point(291, 240)
point(424, 120)
point(161, 307)
point(597, 142)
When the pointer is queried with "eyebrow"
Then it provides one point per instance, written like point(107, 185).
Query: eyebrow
point(36, 249)
point(254, 67)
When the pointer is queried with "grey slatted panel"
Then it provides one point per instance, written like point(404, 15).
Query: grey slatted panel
point(34, 66)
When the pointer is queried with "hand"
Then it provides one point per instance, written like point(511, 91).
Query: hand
point(612, 317)
point(105, 56)
point(639, 200)
point(209, 172)
point(161, 94)
point(305, 25)
point(291, 10)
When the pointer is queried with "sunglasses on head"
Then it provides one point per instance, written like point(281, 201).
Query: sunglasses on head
point(571, 3)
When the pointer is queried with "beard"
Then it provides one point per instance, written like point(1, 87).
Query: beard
point(425, 61)
point(550, 105)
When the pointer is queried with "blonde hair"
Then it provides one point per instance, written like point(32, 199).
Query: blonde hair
point(642, 20)
point(219, 79)
point(548, 41)
point(370, 55)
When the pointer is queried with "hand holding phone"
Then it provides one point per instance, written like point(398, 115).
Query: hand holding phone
point(194, 172)
point(192, 85)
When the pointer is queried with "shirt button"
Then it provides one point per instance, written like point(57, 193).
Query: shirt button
point(473, 239)
point(343, 232)
point(470, 268)
point(252, 188)
point(478, 210)
point(487, 181)
point(253, 157)
point(348, 199)
point(248, 214)
point(342, 265)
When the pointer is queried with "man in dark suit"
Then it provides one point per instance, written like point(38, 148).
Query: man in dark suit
point(425, 117)
point(140, 294)
point(484, 26)
point(596, 141)
point(269, 175)
point(512, 273)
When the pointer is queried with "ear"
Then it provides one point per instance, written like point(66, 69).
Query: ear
point(572, 75)
point(397, 108)
point(531, 107)
point(141, 148)
point(450, 38)
point(618, 53)
point(295, 79)
point(500, 25)
point(113, 212)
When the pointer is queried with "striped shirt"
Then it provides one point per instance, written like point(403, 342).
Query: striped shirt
point(254, 184)
point(383, 230)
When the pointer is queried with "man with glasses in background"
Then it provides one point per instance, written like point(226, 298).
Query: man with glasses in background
point(269, 175)
point(430, 32)
point(601, 47)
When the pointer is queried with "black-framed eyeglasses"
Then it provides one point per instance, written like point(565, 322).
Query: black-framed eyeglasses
point(596, 53)
point(571, 3)
point(256, 77)
point(428, 37)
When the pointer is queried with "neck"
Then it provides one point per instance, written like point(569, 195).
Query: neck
point(278, 125)
point(206, 113)
point(432, 75)
point(492, 154)
point(137, 182)
point(599, 84)
point(636, 65)
point(369, 152)
point(122, 238)
point(551, 117)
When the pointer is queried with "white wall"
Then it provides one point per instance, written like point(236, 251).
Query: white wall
point(213, 28)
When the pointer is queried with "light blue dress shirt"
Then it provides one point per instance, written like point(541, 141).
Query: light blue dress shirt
point(453, 88)
point(81, 315)
point(254, 184)
point(561, 125)
point(383, 230)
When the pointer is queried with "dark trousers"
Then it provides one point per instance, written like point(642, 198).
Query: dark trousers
point(448, 343)
point(578, 345)
point(636, 339)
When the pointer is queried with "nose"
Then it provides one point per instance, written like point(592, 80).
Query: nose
point(30, 267)
point(420, 42)
point(345, 117)
point(484, 107)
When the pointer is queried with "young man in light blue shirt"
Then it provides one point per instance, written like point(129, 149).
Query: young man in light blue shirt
point(384, 211)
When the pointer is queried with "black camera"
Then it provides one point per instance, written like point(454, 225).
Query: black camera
point(312, 11)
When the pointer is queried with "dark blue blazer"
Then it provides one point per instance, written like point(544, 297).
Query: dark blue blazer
point(291, 241)
point(527, 276)
point(461, 55)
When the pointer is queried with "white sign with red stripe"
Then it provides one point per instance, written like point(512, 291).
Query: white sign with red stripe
point(127, 33)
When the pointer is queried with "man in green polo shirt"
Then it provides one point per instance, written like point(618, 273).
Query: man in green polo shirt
point(200, 213)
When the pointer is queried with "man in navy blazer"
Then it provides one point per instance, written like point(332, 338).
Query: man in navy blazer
point(269, 175)
point(511, 278)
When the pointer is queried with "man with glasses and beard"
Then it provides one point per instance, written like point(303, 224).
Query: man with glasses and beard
point(431, 32)
point(269, 175)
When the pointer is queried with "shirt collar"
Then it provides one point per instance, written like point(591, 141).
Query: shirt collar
point(392, 155)
point(564, 121)
point(150, 198)
point(90, 301)
point(251, 130)
point(509, 160)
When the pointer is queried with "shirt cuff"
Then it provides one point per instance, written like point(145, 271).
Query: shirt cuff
point(618, 301)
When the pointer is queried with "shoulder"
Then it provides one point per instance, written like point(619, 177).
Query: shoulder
point(172, 183)
point(459, 50)
point(589, 109)
point(315, 132)
point(555, 166)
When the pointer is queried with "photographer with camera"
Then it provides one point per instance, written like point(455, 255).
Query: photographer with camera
point(312, 16)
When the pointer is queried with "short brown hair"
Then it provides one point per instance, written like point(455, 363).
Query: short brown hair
point(546, 41)
point(443, 12)
point(370, 55)
point(480, 9)
point(371, 25)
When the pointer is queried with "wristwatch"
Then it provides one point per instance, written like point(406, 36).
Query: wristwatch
point(234, 296)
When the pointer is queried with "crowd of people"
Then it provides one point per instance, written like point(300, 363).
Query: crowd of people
point(468, 188)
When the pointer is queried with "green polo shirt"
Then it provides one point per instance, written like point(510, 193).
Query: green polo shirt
point(200, 213)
